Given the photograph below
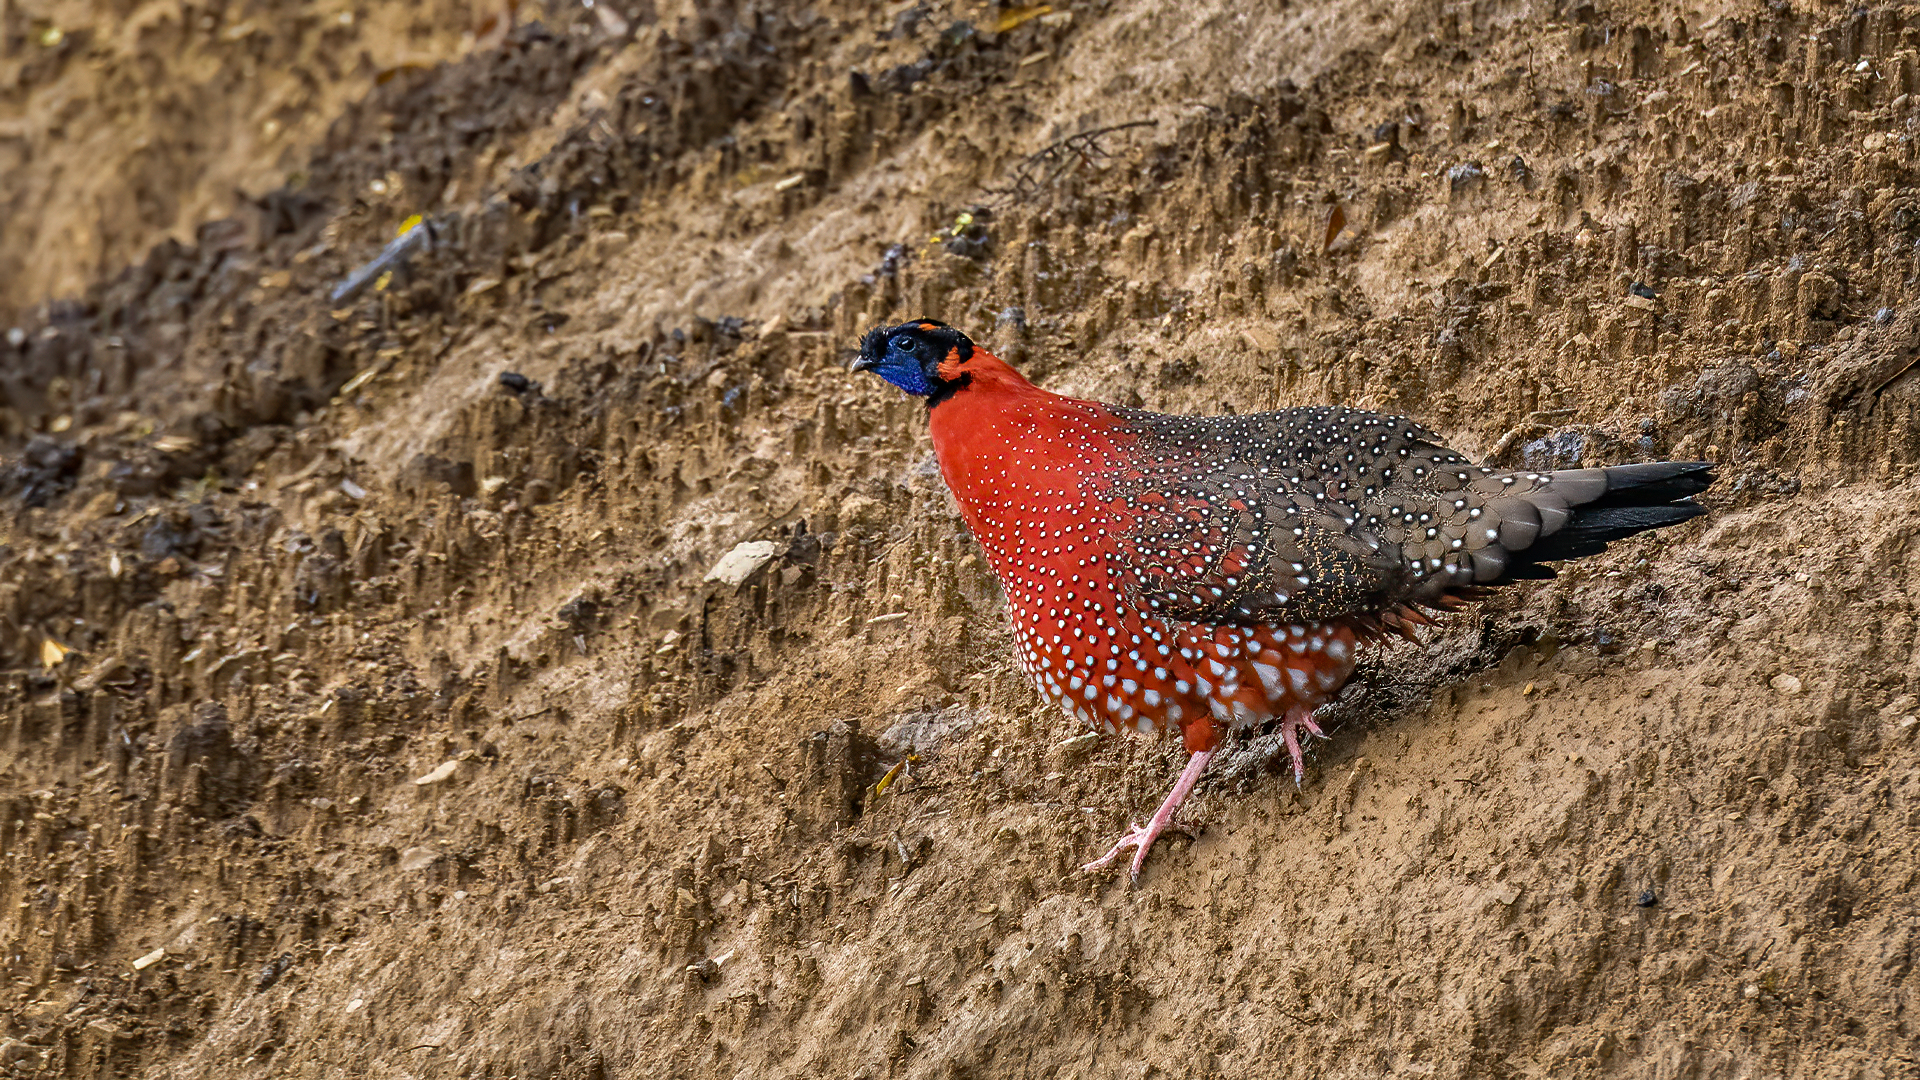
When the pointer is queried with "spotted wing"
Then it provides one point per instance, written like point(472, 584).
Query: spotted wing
point(1256, 519)
point(1307, 515)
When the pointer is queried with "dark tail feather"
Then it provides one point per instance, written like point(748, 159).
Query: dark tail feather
point(1591, 531)
point(1638, 498)
point(1653, 484)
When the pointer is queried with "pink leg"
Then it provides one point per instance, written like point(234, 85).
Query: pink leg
point(1290, 731)
point(1143, 838)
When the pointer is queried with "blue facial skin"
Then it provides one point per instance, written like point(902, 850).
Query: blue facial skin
point(896, 359)
point(912, 355)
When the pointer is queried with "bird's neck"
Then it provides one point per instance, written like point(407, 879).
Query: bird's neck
point(990, 382)
point(1001, 440)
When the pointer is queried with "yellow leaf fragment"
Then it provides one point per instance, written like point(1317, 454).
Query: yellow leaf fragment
point(1013, 17)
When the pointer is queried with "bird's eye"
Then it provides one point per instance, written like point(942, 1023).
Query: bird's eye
point(905, 344)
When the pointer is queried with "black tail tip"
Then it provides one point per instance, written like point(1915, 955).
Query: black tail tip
point(1657, 482)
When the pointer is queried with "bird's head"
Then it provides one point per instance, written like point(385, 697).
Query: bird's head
point(925, 358)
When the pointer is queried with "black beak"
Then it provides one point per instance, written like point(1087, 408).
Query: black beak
point(866, 362)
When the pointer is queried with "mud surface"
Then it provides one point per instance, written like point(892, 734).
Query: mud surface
point(378, 698)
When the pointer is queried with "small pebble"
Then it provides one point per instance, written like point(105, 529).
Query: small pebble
point(739, 564)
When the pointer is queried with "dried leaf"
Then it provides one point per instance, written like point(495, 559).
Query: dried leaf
point(1013, 17)
point(51, 653)
point(1336, 220)
point(357, 382)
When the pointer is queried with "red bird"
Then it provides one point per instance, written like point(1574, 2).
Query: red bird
point(1203, 574)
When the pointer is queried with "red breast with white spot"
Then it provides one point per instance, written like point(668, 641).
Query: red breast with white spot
point(1042, 482)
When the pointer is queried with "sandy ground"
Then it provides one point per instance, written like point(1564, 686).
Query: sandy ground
point(366, 713)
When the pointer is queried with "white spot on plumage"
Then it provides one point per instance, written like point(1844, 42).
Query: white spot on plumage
point(1269, 679)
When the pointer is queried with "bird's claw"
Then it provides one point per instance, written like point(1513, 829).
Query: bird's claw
point(1290, 728)
point(1137, 836)
point(1143, 836)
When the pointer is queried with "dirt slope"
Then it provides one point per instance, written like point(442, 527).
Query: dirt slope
point(124, 123)
point(368, 713)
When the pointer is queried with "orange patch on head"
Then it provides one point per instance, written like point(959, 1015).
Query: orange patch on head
point(950, 367)
point(928, 326)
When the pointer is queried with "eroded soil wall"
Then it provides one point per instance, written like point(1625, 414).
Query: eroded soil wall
point(364, 712)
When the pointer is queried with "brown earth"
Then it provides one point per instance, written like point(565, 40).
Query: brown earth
point(145, 120)
point(366, 713)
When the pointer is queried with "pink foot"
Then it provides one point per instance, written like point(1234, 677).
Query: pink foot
point(1138, 836)
point(1290, 731)
point(1143, 836)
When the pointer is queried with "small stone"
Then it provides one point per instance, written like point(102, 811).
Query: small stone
point(739, 564)
point(152, 958)
point(419, 858)
point(1785, 684)
point(439, 773)
point(1464, 176)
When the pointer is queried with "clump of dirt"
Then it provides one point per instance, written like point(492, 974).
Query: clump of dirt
point(493, 671)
